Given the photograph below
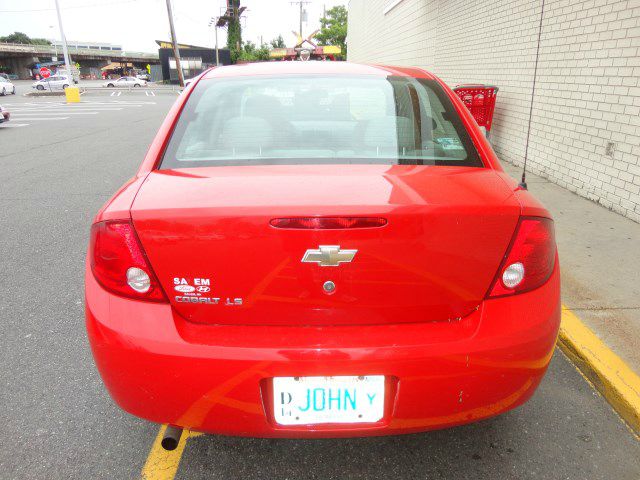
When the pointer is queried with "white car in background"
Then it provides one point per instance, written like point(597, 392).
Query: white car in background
point(55, 82)
point(4, 114)
point(6, 87)
point(125, 82)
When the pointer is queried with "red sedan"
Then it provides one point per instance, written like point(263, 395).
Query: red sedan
point(321, 249)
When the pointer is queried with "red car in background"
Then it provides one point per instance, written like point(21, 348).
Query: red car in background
point(321, 249)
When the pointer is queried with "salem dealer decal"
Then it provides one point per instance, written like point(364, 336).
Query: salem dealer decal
point(193, 290)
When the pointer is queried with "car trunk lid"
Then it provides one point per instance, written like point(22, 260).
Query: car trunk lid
point(208, 236)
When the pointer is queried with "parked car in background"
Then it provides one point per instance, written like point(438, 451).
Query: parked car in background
point(55, 82)
point(125, 82)
point(143, 76)
point(4, 114)
point(321, 249)
point(6, 87)
point(74, 75)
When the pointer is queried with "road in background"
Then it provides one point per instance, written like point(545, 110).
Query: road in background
point(58, 422)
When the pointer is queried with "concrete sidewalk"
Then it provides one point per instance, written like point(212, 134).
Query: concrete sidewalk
point(600, 264)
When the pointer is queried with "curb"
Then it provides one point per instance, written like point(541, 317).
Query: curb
point(45, 94)
point(610, 375)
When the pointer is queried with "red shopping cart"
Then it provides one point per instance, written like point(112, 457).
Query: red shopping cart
point(481, 101)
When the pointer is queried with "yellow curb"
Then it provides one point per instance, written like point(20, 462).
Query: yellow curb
point(611, 376)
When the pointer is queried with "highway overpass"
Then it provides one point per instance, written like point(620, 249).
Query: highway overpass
point(21, 58)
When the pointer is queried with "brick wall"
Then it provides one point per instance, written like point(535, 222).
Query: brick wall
point(587, 93)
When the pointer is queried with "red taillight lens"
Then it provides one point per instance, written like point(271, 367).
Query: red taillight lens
point(530, 259)
point(328, 223)
point(119, 264)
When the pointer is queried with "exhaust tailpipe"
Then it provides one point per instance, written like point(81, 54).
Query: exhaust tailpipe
point(171, 438)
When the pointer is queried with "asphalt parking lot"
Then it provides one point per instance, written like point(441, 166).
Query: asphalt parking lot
point(57, 420)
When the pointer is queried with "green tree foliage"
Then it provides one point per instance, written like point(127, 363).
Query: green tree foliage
point(278, 42)
point(19, 37)
point(252, 53)
point(333, 29)
point(234, 39)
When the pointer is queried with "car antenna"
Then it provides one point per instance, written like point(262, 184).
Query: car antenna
point(523, 182)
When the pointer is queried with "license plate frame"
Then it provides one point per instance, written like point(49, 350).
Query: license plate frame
point(328, 400)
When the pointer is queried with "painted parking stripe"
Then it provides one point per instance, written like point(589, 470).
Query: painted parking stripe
point(13, 125)
point(78, 106)
point(37, 114)
point(84, 102)
point(57, 110)
point(69, 109)
point(50, 111)
point(35, 119)
point(121, 102)
point(162, 464)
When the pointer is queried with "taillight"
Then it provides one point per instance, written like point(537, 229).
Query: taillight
point(530, 258)
point(328, 223)
point(119, 264)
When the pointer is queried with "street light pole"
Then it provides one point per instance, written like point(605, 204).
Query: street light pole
point(65, 50)
point(174, 43)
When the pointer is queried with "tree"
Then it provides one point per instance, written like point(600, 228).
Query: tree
point(234, 39)
point(333, 29)
point(251, 53)
point(19, 37)
point(278, 42)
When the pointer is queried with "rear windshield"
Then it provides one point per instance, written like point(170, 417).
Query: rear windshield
point(266, 120)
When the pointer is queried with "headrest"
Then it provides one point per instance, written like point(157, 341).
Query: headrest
point(244, 133)
point(390, 131)
point(263, 106)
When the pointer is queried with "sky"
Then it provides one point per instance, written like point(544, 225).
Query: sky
point(136, 24)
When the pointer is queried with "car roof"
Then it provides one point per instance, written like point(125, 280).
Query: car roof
point(314, 68)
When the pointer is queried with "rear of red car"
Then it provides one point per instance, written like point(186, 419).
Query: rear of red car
point(321, 250)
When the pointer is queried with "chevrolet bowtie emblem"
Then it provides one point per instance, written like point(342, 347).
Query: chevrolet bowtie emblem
point(328, 255)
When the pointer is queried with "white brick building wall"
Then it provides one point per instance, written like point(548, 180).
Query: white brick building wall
point(588, 87)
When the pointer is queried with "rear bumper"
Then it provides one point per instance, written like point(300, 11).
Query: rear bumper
point(217, 378)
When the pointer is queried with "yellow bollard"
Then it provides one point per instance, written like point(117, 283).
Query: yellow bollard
point(72, 94)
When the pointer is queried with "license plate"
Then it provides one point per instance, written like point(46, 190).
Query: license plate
point(314, 400)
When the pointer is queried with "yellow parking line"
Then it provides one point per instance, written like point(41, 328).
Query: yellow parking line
point(162, 464)
point(613, 378)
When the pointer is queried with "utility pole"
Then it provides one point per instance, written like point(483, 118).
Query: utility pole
point(214, 21)
point(174, 44)
point(301, 4)
point(217, 52)
point(300, 31)
point(67, 61)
